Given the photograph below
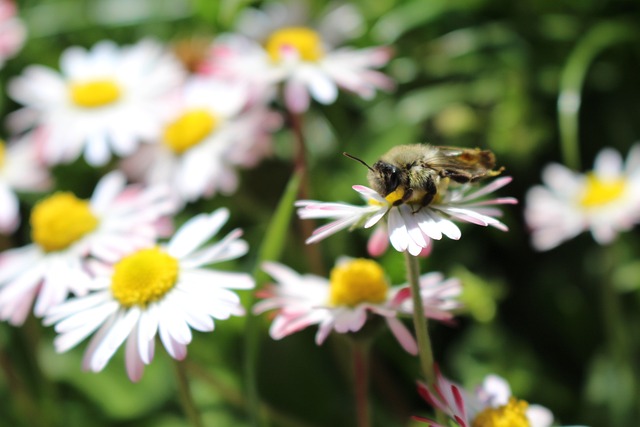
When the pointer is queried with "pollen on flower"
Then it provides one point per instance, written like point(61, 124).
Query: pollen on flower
point(60, 220)
point(513, 414)
point(599, 192)
point(94, 93)
point(357, 281)
point(304, 40)
point(189, 129)
point(144, 277)
point(395, 195)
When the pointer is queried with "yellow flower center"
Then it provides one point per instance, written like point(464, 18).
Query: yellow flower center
point(189, 129)
point(357, 281)
point(2, 150)
point(513, 414)
point(143, 277)
point(599, 192)
point(60, 220)
point(94, 93)
point(306, 41)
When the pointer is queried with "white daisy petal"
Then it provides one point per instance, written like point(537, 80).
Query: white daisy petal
point(106, 191)
point(398, 235)
point(197, 231)
point(539, 416)
point(113, 339)
point(133, 359)
point(403, 335)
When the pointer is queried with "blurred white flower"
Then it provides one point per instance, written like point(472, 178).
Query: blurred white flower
point(20, 170)
point(409, 229)
point(491, 405)
point(209, 134)
point(65, 230)
point(161, 290)
point(355, 289)
point(276, 45)
point(13, 33)
point(604, 201)
point(105, 100)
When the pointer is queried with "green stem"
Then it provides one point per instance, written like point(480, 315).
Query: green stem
point(599, 38)
point(617, 334)
point(425, 351)
point(186, 398)
point(301, 167)
point(360, 352)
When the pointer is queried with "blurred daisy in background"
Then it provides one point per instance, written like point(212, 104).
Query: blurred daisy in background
point(20, 170)
point(12, 31)
point(209, 134)
point(409, 229)
point(65, 230)
point(105, 100)
point(492, 404)
point(604, 201)
point(355, 289)
point(158, 290)
point(275, 45)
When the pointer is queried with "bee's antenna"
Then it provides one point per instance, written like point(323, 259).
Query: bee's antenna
point(357, 160)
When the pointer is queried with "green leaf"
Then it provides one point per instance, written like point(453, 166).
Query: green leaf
point(270, 250)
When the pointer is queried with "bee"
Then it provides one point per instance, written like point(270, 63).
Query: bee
point(415, 173)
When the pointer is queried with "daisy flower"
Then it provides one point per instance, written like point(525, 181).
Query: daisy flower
point(604, 201)
point(209, 134)
point(162, 290)
point(65, 230)
point(492, 404)
point(355, 289)
point(105, 100)
point(12, 31)
point(275, 45)
point(20, 170)
point(409, 229)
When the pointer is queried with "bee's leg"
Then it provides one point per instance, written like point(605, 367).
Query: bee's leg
point(430, 191)
point(406, 196)
point(457, 176)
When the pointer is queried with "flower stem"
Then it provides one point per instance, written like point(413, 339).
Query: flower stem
point(186, 398)
point(360, 352)
point(602, 36)
point(301, 168)
point(425, 352)
point(617, 333)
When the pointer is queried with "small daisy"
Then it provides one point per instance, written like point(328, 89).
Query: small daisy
point(64, 231)
point(491, 405)
point(355, 289)
point(162, 290)
point(409, 229)
point(105, 100)
point(20, 170)
point(277, 46)
point(209, 134)
point(12, 31)
point(604, 201)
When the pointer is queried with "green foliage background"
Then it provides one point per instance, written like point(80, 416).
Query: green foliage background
point(484, 73)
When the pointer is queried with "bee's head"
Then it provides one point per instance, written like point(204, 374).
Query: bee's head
point(384, 177)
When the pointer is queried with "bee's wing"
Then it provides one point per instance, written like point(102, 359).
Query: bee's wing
point(464, 163)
